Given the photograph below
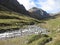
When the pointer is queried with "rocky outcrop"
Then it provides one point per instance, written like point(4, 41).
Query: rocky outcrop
point(14, 6)
point(38, 13)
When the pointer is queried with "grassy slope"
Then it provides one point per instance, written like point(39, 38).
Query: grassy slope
point(10, 20)
point(14, 20)
point(54, 27)
point(24, 40)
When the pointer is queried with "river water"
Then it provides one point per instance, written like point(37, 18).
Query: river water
point(31, 29)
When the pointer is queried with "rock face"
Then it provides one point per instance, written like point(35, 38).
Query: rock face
point(38, 13)
point(14, 6)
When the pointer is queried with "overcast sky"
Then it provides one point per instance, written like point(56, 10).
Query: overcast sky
point(51, 6)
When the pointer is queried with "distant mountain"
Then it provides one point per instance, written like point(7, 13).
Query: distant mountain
point(38, 13)
point(14, 6)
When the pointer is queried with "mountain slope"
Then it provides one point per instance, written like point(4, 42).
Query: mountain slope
point(12, 20)
point(14, 5)
point(38, 13)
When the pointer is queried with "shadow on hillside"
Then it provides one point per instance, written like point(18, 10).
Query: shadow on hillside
point(7, 30)
point(51, 17)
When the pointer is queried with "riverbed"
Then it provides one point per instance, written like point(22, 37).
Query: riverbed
point(31, 29)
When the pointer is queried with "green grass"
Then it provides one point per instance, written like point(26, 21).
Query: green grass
point(39, 40)
point(34, 38)
point(53, 26)
point(10, 20)
point(14, 41)
point(55, 41)
point(24, 40)
point(19, 20)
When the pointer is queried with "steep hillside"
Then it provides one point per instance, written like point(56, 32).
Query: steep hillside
point(14, 5)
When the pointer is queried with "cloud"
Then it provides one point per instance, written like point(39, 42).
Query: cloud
point(50, 6)
point(27, 3)
point(47, 5)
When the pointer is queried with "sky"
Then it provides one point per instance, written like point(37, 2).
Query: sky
point(51, 6)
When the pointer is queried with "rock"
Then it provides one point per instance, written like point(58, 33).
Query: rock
point(38, 13)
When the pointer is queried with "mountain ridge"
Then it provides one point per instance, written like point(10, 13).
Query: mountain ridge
point(14, 6)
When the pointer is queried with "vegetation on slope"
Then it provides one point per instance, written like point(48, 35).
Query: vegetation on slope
point(14, 20)
point(10, 20)
point(53, 26)
point(33, 39)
